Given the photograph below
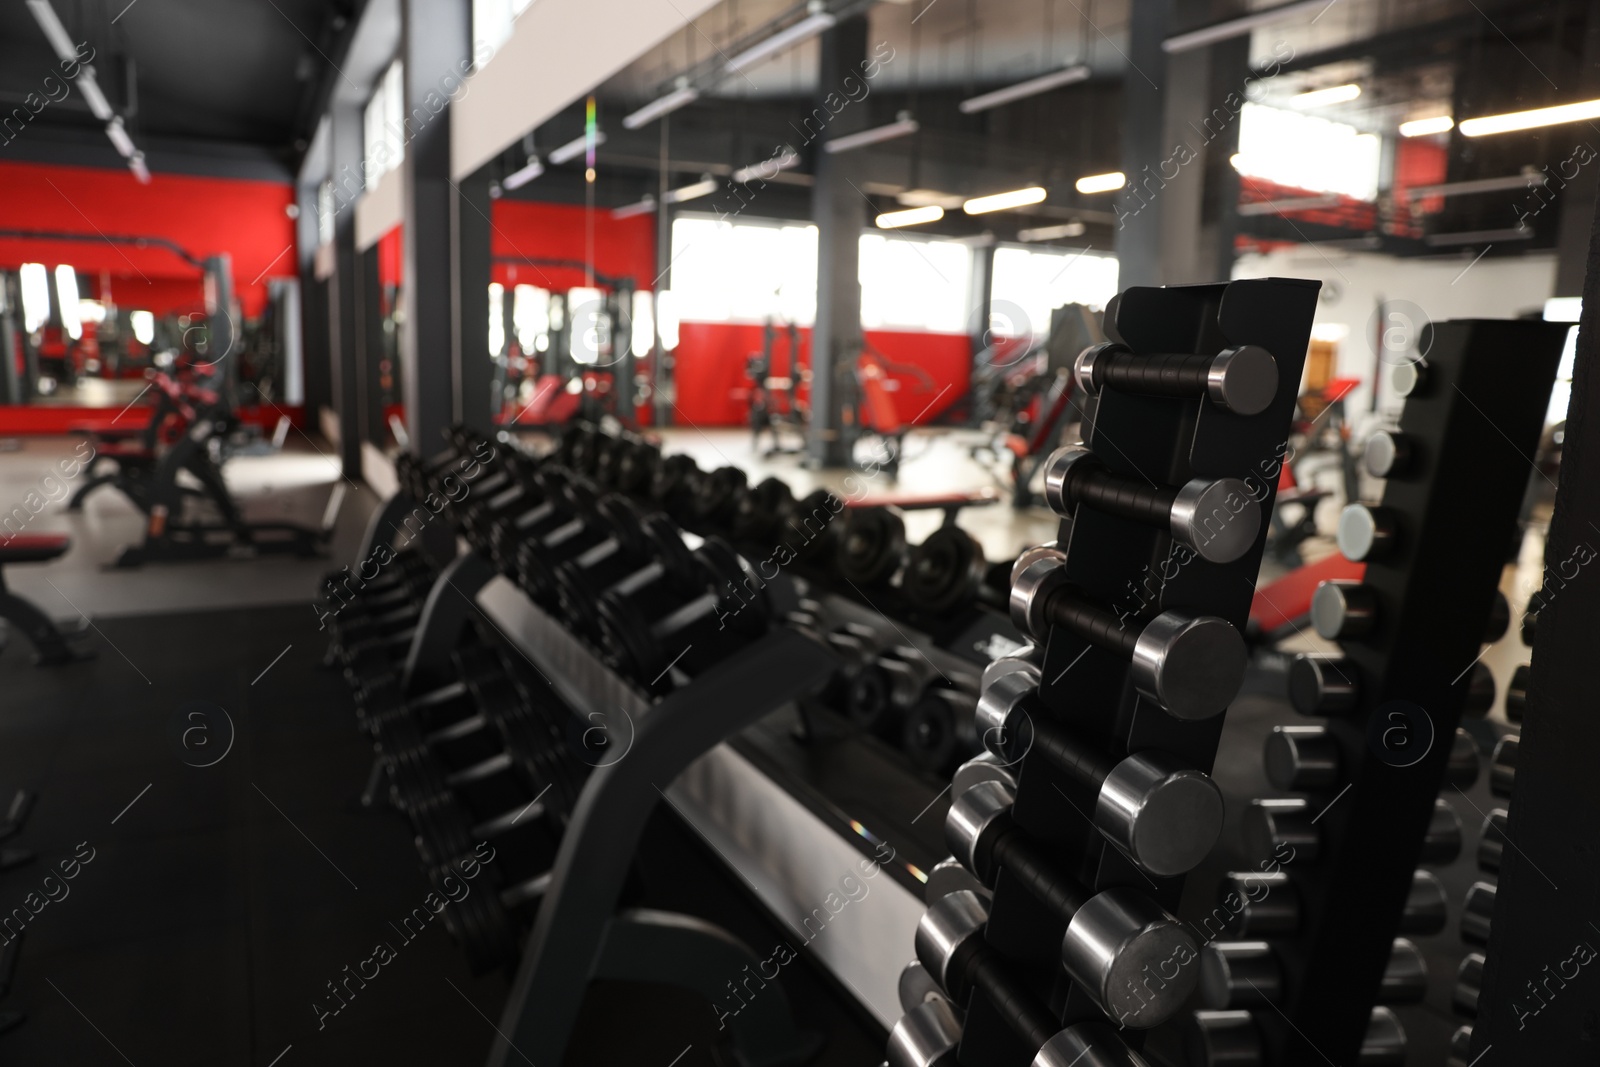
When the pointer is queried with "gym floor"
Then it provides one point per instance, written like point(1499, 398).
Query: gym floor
point(221, 900)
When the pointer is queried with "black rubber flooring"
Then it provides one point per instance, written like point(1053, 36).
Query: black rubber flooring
point(220, 899)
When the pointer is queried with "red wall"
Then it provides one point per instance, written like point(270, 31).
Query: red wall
point(561, 231)
point(203, 215)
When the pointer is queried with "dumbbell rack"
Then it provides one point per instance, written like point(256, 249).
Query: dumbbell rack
point(1155, 440)
point(1454, 510)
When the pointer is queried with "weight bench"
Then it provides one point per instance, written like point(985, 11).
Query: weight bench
point(49, 641)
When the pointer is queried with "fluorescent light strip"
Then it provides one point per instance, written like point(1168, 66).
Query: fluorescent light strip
point(664, 106)
point(1101, 183)
point(1334, 94)
point(981, 205)
point(1427, 127)
point(574, 148)
point(803, 30)
point(1479, 185)
point(900, 128)
point(1237, 27)
point(704, 187)
point(1294, 203)
point(643, 207)
point(523, 175)
point(1019, 91)
point(119, 138)
point(1530, 120)
point(90, 88)
point(1473, 237)
point(766, 169)
point(1052, 233)
point(893, 220)
point(60, 40)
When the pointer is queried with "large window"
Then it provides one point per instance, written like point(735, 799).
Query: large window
point(492, 21)
point(749, 271)
point(1028, 284)
point(383, 125)
point(1307, 152)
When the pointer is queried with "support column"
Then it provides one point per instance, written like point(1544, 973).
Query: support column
point(840, 211)
point(1579, 198)
point(1141, 204)
point(344, 354)
point(369, 336)
point(470, 208)
point(313, 308)
point(435, 38)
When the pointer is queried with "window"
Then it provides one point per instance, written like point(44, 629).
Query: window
point(144, 326)
point(383, 125)
point(67, 300)
point(910, 283)
point(1306, 152)
point(743, 271)
point(497, 319)
point(530, 318)
point(492, 21)
point(35, 296)
point(1027, 285)
point(750, 271)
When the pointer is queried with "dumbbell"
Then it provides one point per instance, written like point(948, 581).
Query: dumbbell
point(1468, 984)
point(544, 503)
point(591, 520)
point(627, 465)
point(872, 546)
point(635, 542)
point(1530, 627)
point(925, 1036)
point(1217, 518)
point(1517, 692)
point(1231, 1039)
point(1477, 911)
point(947, 572)
point(695, 633)
point(762, 511)
point(1115, 940)
point(1192, 665)
point(1405, 975)
point(1443, 841)
point(814, 526)
point(1243, 974)
point(1267, 903)
point(1391, 454)
point(1503, 767)
point(938, 730)
point(716, 498)
point(1301, 758)
point(1324, 684)
point(672, 487)
point(1342, 609)
point(1460, 1047)
point(1162, 815)
point(1242, 379)
point(1492, 840)
point(382, 704)
point(1461, 770)
point(1426, 909)
point(1272, 824)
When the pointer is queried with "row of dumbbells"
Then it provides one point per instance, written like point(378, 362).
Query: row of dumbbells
point(485, 765)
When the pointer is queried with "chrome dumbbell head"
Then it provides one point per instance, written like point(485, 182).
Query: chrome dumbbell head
point(1086, 1045)
point(1460, 1047)
point(1367, 533)
point(1001, 720)
point(1223, 1039)
point(1469, 981)
point(917, 985)
point(926, 1036)
point(1342, 609)
point(1137, 962)
point(984, 767)
point(1259, 903)
point(1462, 769)
point(1492, 840)
point(1165, 816)
point(1281, 829)
point(1443, 843)
point(1389, 454)
point(1239, 974)
point(1242, 379)
point(1385, 1042)
point(1477, 910)
point(1301, 758)
point(1321, 684)
point(1405, 976)
point(949, 876)
point(946, 935)
point(1503, 768)
point(1427, 909)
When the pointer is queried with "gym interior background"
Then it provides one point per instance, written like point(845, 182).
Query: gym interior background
point(757, 532)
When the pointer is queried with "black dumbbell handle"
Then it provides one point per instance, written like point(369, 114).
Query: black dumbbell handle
point(1014, 853)
point(1106, 492)
point(1087, 767)
point(1077, 613)
point(1016, 1004)
point(1159, 375)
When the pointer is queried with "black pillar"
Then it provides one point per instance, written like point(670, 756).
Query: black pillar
point(839, 209)
point(345, 150)
point(435, 39)
point(1141, 204)
point(318, 387)
point(470, 208)
point(369, 340)
point(1578, 199)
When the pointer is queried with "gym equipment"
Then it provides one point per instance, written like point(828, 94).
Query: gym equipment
point(775, 405)
point(51, 644)
point(1389, 703)
point(1197, 388)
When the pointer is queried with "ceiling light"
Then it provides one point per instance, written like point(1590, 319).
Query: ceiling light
point(1529, 120)
point(1425, 127)
point(767, 168)
point(803, 30)
point(903, 126)
point(119, 138)
point(1336, 94)
point(1031, 87)
point(1052, 233)
point(925, 197)
point(704, 187)
point(1102, 183)
point(1237, 27)
point(575, 148)
point(57, 34)
point(1529, 176)
point(643, 207)
point(893, 220)
point(683, 95)
point(980, 205)
point(523, 174)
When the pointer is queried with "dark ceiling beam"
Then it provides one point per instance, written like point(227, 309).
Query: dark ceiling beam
point(1415, 46)
point(333, 38)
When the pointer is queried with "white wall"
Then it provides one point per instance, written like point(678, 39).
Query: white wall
point(557, 52)
point(1354, 283)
